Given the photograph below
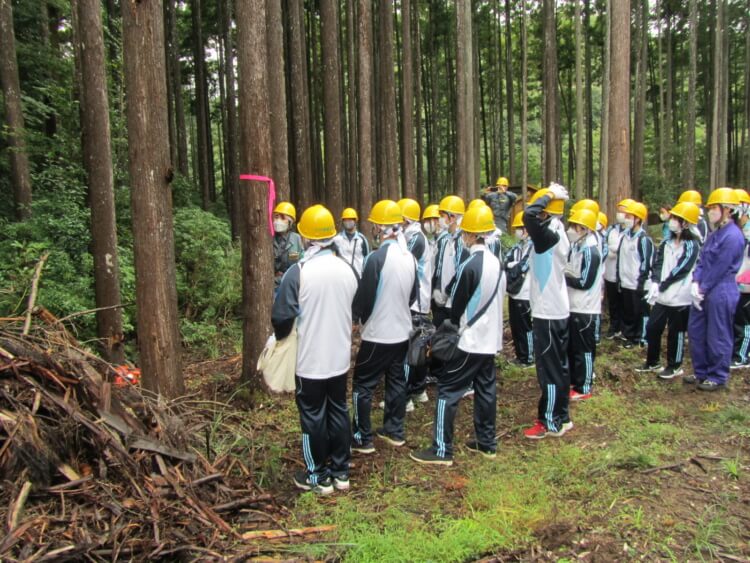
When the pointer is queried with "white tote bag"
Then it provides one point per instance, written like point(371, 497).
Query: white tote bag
point(278, 362)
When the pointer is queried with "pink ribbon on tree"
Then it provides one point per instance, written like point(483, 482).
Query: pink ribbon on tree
point(271, 195)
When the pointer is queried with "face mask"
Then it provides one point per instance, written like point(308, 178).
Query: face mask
point(443, 223)
point(674, 226)
point(518, 234)
point(714, 216)
point(459, 219)
point(628, 222)
point(429, 227)
point(573, 235)
point(620, 217)
point(349, 224)
point(280, 225)
point(664, 217)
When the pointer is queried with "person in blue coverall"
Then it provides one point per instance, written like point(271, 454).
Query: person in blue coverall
point(715, 294)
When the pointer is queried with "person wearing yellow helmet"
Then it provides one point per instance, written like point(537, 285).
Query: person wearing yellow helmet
point(517, 286)
point(475, 318)
point(634, 260)
point(388, 288)
point(664, 216)
point(550, 309)
point(287, 245)
point(741, 356)
point(669, 294)
point(715, 294)
point(324, 340)
point(431, 221)
point(351, 244)
point(584, 281)
point(450, 253)
point(501, 200)
point(613, 237)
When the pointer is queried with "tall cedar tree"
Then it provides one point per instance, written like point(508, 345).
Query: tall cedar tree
point(232, 157)
point(465, 170)
point(365, 106)
point(407, 106)
point(151, 198)
point(277, 93)
point(201, 105)
point(552, 166)
point(97, 160)
point(387, 146)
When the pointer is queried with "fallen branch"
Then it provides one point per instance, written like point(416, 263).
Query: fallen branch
point(672, 466)
point(32, 295)
point(15, 512)
point(294, 532)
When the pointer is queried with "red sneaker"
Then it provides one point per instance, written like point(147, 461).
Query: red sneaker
point(576, 396)
point(536, 432)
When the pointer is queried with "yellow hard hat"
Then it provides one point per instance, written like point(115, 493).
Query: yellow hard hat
point(476, 203)
point(317, 223)
point(686, 210)
point(431, 212)
point(349, 213)
point(603, 221)
point(589, 204)
point(386, 212)
point(743, 195)
point(638, 209)
point(409, 209)
point(723, 196)
point(517, 220)
point(584, 217)
point(478, 219)
point(286, 208)
point(625, 202)
point(554, 207)
point(502, 181)
point(692, 196)
point(452, 204)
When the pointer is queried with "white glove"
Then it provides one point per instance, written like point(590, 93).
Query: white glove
point(558, 191)
point(653, 294)
point(696, 296)
point(439, 297)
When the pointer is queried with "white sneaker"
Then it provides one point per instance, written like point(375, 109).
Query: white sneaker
point(563, 429)
point(381, 405)
point(422, 397)
point(410, 406)
point(469, 393)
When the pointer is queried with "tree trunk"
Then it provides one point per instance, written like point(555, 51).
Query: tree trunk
point(524, 106)
point(232, 154)
point(745, 176)
point(688, 168)
point(619, 106)
point(717, 176)
point(407, 107)
point(418, 105)
point(97, 160)
point(604, 139)
point(640, 98)
point(315, 82)
point(151, 198)
point(20, 176)
point(549, 87)
point(332, 125)
point(365, 106)
point(176, 85)
point(351, 185)
point(301, 126)
point(255, 157)
point(201, 104)
point(388, 175)
point(509, 95)
point(589, 106)
point(580, 109)
point(465, 180)
point(169, 15)
point(277, 93)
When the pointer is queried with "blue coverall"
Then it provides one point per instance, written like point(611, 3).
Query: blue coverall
point(710, 330)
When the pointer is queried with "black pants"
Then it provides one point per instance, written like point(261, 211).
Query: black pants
point(634, 315)
point(551, 356)
point(519, 316)
point(439, 314)
point(582, 350)
point(374, 360)
point(677, 319)
point(742, 330)
point(324, 419)
point(614, 302)
point(459, 375)
point(417, 377)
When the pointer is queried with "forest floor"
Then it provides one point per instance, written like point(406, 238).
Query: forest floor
point(652, 470)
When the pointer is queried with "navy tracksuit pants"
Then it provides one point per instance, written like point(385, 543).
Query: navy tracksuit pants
point(677, 319)
point(742, 330)
point(614, 301)
point(582, 329)
point(459, 374)
point(634, 315)
point(519, 317)
point(551, 357)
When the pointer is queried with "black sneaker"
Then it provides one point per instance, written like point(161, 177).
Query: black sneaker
point(648, 369)
point(611, 334)
point(709, 385)
point(341, 482)
point(367, 448)
point(620, 336)
point(428, 457)
point(516, 363)
point(739, 365)
point(392, 440)
point(628, 344)
point(690, 380)
point(670, 373)
point(475, 446)
point(302, 481)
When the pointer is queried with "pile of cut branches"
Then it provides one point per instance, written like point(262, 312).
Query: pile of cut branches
point(98, 472)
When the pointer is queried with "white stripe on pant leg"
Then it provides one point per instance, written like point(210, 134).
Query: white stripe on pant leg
point(307, 453)
point(551, 392)
point(357, 434)
point(680, 347)
point(589, 371)
point(439, 431)
point(530, 338)
point(745, 344)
